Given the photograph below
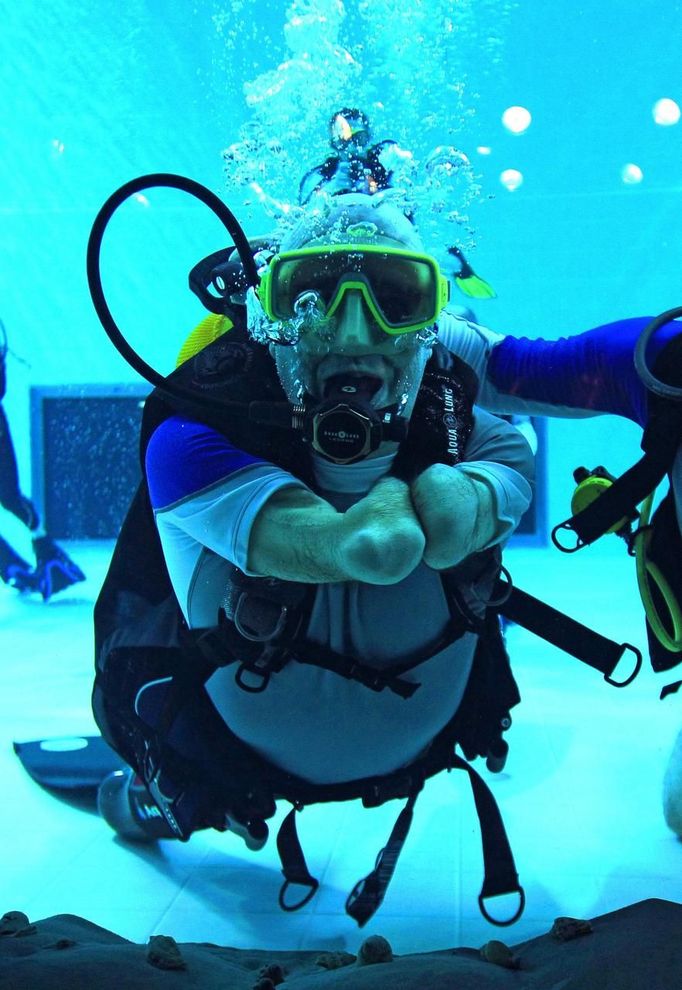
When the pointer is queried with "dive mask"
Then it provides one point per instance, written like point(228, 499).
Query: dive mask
point(403, 290)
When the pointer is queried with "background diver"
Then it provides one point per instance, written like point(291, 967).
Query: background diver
point(54, 570)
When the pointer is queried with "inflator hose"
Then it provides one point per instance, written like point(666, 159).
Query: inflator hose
point(649, 380)
point(102, 219)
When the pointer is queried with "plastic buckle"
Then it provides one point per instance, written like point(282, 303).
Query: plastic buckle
point(163, 801)
point(250, 634)
point(566, 549)
point(638, 666)
point(374, 681)
point(515, 917)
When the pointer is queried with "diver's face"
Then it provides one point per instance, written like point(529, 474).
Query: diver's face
point(352, 346)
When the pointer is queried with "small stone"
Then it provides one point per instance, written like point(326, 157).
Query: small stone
point(375, 949)
point(499, 954)
point(12, 922)
point(163, 952)
point(565, 929)
point(334, 960)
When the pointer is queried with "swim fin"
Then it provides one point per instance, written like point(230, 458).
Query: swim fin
point(468, 281)
point(69, 763)
point(55, 570)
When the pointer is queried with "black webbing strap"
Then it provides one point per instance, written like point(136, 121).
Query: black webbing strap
point(660, 442)
point(367, 894)
point(564, 632)
point(352, 668)
point(499, 870)
point(500, 876)
point(294, 866)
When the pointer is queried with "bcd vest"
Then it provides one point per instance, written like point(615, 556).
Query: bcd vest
point(141, 636)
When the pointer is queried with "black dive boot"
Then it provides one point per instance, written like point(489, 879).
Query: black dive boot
point(15, 571)
point(54, 568)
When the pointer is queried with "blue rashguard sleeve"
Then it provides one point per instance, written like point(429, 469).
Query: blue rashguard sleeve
point(592, 371)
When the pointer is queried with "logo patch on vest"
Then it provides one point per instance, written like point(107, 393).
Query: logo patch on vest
point(451, 423)
point(222, 363)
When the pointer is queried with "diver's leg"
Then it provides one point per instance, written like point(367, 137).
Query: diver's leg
point(198, 735)
point(11, 497)
point(671, 372)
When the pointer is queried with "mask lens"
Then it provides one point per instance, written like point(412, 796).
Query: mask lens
point(404, 289)
point(317, 273)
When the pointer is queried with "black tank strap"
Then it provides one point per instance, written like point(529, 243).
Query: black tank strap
point(660, 443)
point(294, 866)
point(564, 632)
point(367, 895)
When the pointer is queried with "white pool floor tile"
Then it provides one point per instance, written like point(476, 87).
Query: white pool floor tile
point(580, 796)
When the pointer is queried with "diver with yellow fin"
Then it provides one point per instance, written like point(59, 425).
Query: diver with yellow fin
point(356, 165)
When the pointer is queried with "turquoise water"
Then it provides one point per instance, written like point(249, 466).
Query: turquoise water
point(92, 96)
point(238, 96)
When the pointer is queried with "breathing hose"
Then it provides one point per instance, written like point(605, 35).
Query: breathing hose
point(231, 224)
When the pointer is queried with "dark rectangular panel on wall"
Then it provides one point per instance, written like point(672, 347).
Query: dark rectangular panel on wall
point(85, 462)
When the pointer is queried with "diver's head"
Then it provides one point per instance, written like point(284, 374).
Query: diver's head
point(349, 132)
point(356, 295)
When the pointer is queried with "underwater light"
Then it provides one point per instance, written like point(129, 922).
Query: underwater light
point(511, 179)
point(665, 112)
point(516, 119)
point(631, 174)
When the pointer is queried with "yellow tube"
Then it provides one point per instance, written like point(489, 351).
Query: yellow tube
point(647, 572)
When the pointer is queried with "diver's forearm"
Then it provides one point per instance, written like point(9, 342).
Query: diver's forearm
point(457, 514)
point(297, 536)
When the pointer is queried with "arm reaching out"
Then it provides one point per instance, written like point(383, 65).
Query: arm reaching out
point(298, 536)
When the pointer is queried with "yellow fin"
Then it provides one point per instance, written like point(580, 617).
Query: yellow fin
point(204, 333)
point(475, 287)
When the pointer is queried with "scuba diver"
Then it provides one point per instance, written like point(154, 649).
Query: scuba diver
point(332, 581)
point(385, 489)
point(355, 165)
point(54, 570)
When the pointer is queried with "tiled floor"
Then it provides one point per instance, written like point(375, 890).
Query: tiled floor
point(580, 797)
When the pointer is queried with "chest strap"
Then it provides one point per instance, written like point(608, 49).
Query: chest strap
point(263, 625)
